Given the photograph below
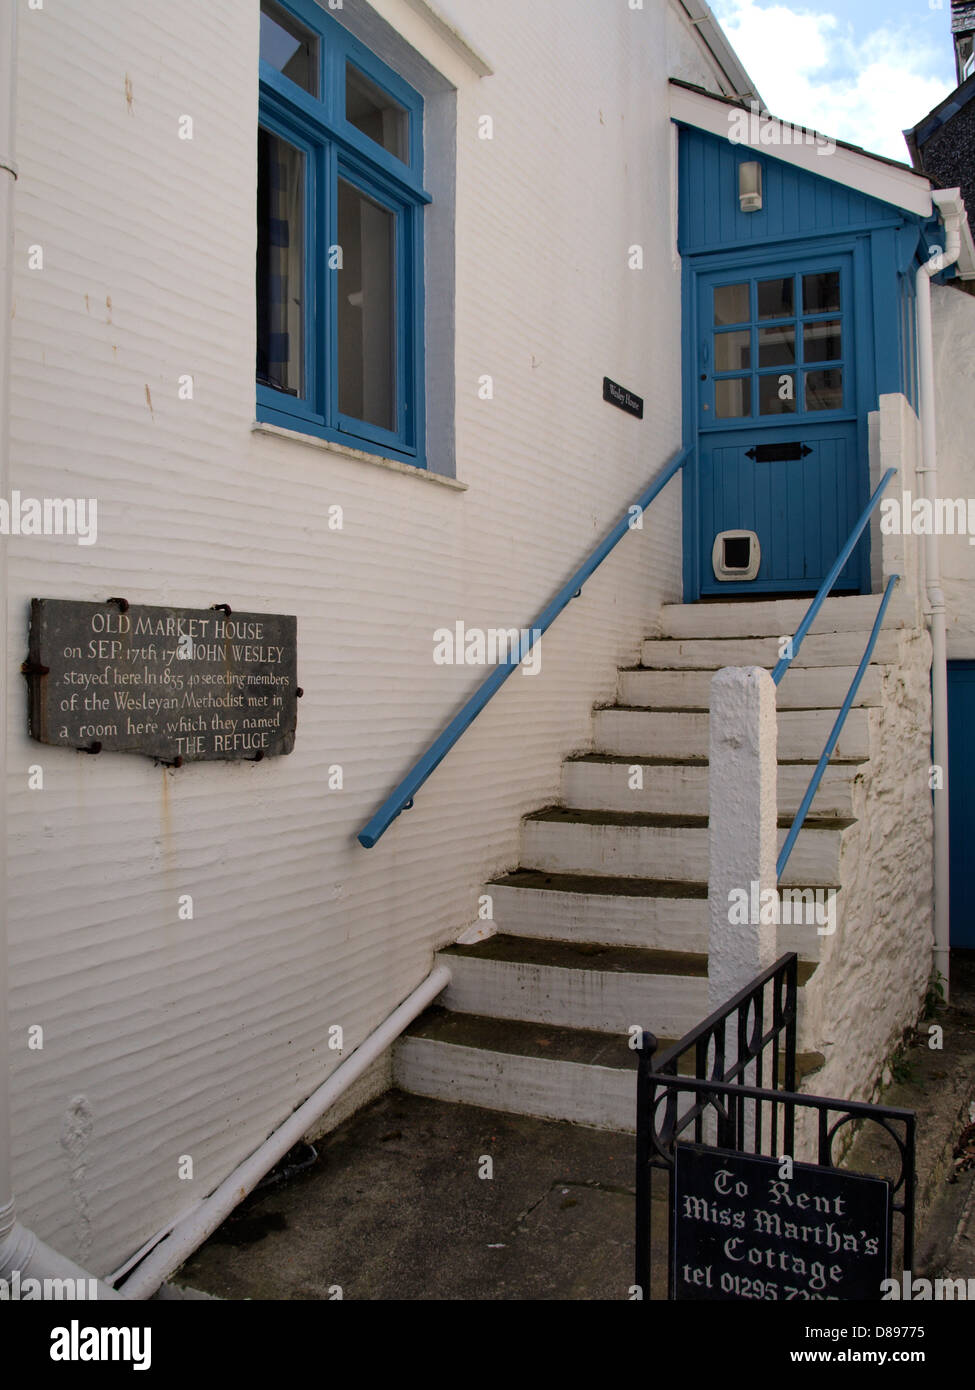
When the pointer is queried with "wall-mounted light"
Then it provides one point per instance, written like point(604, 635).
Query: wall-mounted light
point(750, 186)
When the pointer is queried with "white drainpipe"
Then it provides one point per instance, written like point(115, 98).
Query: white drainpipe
point(203, 1220)
point(21, 1252)
point(952, 209)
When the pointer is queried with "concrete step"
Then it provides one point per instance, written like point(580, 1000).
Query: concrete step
point(599, 782)
point(678, 734)
point(575, 985)
point(778, 617)
point(565, 841)
point(822, 687)
point(709, 654)
point(555, 1073)
point(652, 914)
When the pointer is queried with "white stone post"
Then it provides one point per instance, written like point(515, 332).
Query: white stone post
point(742, 832)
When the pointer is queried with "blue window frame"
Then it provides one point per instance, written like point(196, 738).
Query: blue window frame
point(340, 237)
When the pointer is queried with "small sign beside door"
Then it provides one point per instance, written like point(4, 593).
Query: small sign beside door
point(622, 398)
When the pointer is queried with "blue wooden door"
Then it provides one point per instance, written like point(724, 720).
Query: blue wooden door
point(961, 798)
point(780, 443)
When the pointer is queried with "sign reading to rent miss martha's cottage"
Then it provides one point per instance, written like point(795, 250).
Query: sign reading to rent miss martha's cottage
point(741, 1230)
point(177, 684)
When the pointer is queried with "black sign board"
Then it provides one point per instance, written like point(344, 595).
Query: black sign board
point(741, 1231)
point(178, 684)
point(619, 396)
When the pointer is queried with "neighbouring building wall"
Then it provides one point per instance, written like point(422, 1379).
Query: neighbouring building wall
point(163, 1037)
point(953, 317)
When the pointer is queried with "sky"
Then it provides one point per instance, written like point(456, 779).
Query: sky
point(858, 70)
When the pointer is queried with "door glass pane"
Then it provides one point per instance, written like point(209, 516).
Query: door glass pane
point(777, 394)
point(733, 398)
point(376, 114)
point(366, 297)
point(822, 341)
point(777, 346)
point(731, 304)
point(289, 47)
point(732, 351)
point(824, 389)
point(821, 293)
point(280, 263)
point(776, 298)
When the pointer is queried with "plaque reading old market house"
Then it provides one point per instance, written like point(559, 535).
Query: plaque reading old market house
point(178, 684)
point(743, 1231)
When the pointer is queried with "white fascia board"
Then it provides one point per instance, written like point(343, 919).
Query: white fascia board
point(874, 177)
point(713, 36)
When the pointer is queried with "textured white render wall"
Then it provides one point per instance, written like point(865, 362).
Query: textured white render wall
point(953, 318)
point(874, 970)
point(166, 1037)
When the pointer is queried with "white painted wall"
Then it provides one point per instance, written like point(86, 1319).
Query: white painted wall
point(163, 1037)
point(953, 318)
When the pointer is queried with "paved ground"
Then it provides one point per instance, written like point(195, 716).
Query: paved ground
point(394, 1207)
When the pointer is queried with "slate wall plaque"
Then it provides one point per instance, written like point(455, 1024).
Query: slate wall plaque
point(622, 398)
point(740, 1231)
point(177, 684)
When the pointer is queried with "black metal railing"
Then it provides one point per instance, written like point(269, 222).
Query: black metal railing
point(731, 1082)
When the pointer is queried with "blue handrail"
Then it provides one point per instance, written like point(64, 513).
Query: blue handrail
point(832, 577)
point(402, 797)
point(835, 732)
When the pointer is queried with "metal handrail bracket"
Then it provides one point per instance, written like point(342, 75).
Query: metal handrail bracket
point(402, 796)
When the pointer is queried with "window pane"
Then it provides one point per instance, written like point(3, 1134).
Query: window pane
point(777, 346)
point(822, 342)
point(732, 351)
point(824, 390)
point(289, 46)
point(733, 399)
point(776, 298)
point(731, 304)
point(280, 263)
point(376, 114)
point(366, 294)
point(821, 293)
point(777, 394)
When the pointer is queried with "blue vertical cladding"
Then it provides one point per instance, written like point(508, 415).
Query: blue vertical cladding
point(795, 203)
point(961, 799)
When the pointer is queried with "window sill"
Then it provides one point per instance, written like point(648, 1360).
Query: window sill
point(345, 451)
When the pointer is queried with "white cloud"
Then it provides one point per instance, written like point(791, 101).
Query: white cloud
point(811, 69)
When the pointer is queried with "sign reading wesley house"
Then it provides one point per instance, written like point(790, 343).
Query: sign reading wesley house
point(741, 1230)
point(177, 684)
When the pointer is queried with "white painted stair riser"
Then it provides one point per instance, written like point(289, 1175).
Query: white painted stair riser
point(610, 1001)
point(823, 687)
point(778, 617)
point(829, 650)
point(677, 853)
point(661, 734)
point(682, 788)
